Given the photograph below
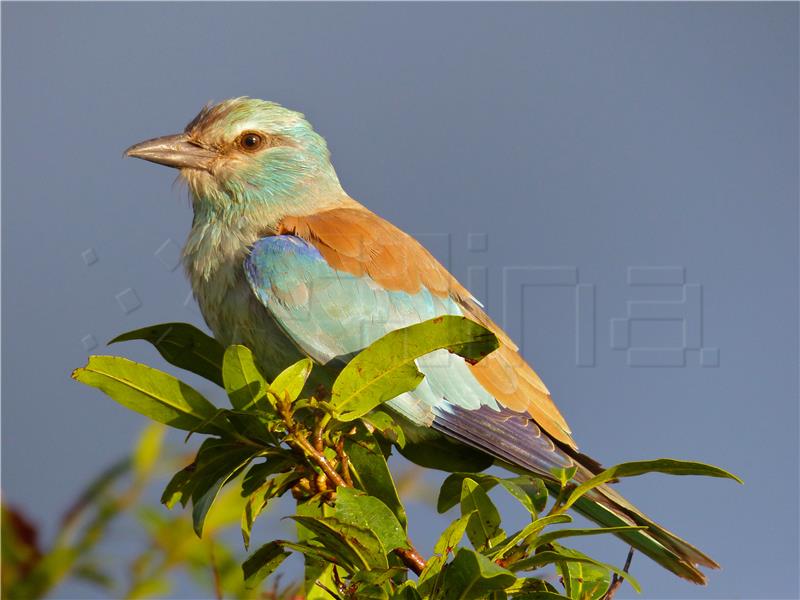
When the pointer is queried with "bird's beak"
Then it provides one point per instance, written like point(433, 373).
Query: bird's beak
point(176, 151)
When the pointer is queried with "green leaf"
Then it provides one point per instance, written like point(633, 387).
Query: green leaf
point(218, 461)
point(430, 580)
point(528, 588)
point(369, 468)
point(365, 511)
point(583, 580)
point(450, 492)
point(633, 469)
point(290, 382)
point(407, 591)
point(375, 584)
point(356, 547)
point(243, 382)
point(184, 346)
point(317, 568)
point(552, 536)
point(439, 452)
point(472, 575)
point(258, 474)
point(483, 525)
point(259, 498)
point(547, 557)
point(379, 576)
point(262, 563)
point(525, 535)
point(535, 592)
point(179, 488)
point(452, 535)
point(256, 425)
point(313, 551)
point(150, 392)
point(564, 474)
point(387, 426)
point(530, 492)
point(386, 368)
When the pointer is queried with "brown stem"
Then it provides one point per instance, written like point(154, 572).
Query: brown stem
point(302, 444)
point(344, 460)
point(411, 558)
point(317, 437)
point(616, 580)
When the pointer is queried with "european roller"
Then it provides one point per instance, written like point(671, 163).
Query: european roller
point(282, 260)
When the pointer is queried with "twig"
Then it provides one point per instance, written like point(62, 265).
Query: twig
point(302, 444)
point(327, 589)
point(299, 442)
point(317, 437)
point(616, 580)
point(344, 460)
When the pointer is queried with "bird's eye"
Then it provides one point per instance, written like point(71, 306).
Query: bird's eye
point(250, 141)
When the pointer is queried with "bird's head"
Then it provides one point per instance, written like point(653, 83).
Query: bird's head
point(244, 153)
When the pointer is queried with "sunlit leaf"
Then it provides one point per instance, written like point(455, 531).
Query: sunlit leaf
point(407, 591)
point(583, 580)
point(386, 425)
point(564, 474)
point(317, 568)
point(259, 498)
point(472, 575)
point(552, 536)
point(150, 392)
point(243, 382)
point(484, 523)
point(290, 382)
point(546, 557)
point(357, 508)
point(430, 580)
point(356, 547)
point(531, 493)
point(452, 535)
point(258, 473)
point(526, 534)
point(369, 468)
point(386, 368)
point(661, 465)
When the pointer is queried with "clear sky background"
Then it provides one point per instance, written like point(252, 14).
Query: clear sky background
point(589, 146)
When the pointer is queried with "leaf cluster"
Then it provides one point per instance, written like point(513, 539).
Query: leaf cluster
point(328, 449)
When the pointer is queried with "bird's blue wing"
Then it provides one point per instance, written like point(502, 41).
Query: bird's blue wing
point(331, 315)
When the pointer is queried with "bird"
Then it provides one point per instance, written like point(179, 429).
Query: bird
point(282, 260)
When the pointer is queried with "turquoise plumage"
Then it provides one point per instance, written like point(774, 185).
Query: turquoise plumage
point(283, 261)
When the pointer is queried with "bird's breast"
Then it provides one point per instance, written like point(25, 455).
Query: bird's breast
point(232, 311)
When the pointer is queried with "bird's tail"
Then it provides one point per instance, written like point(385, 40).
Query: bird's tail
point(608, 508)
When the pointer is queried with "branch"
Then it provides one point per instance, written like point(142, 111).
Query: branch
point(617, 580)
point(411, 558)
